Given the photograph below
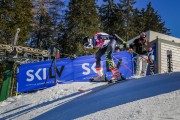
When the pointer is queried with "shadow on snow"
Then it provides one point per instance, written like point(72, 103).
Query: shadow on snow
point(115, 95)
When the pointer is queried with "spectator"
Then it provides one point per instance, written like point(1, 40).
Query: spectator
point(141, 47)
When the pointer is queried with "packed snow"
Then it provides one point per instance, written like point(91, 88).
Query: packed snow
point(154, 97)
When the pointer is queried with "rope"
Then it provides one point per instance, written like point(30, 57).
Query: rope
point(124, 65)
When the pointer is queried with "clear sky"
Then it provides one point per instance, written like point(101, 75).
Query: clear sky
point(169, 10)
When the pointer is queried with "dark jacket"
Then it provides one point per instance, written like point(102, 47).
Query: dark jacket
point(141, 46)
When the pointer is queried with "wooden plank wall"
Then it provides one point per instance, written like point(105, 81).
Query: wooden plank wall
point(175, 57)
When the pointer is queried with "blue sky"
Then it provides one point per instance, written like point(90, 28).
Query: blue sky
point(169, 10)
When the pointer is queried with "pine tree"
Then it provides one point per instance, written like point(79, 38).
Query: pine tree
point(137, 24)
point(47, 15)
point(127, 6)
point(106, 11)
point(112, 20)
point(56, 13)
point(117, 21)
point(14, 15)
point(82, 20)
point(153, 21)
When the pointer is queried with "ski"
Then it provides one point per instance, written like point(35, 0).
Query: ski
point(104, 86)
point(91, 80)
point(116, 81)
point(108, 81)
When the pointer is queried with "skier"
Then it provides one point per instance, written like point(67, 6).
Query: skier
point(106, 44)
point(142, 47)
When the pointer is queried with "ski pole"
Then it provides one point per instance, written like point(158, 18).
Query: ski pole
point(120, 38)
point(145, 59)
point(124, 65)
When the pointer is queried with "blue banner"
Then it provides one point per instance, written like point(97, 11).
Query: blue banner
point(153, 52)
point(39, 75)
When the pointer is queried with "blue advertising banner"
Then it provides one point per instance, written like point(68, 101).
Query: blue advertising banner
point(153, 52)
point(39, 75)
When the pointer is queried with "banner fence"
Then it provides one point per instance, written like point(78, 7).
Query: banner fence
point(39, 75)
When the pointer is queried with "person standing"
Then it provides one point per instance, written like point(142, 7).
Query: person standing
point(106, 44)
point(141, 47)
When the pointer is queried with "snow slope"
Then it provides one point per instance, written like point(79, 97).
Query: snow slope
point(150, 98)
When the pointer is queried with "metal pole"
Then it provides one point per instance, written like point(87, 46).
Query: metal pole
point(16, 37)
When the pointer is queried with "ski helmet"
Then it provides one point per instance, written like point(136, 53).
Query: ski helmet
point(101, 35)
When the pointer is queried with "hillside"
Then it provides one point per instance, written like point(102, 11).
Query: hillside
point(153, 97)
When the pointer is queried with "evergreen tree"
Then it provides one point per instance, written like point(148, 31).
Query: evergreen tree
point(137, 24)
point(112, 20)
point(14, 15)
point(56, 13)
point(153, 21)
point(82, 20)
point(105, 12)
point(127, 6)
point(117, 21)
point(47, 15)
